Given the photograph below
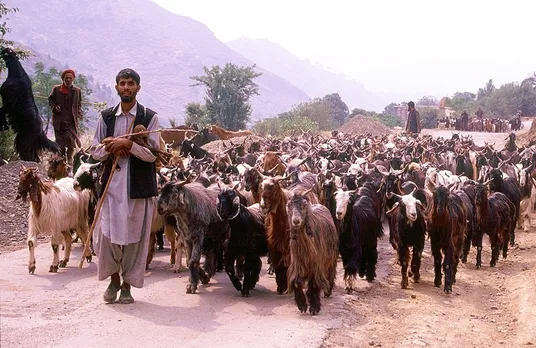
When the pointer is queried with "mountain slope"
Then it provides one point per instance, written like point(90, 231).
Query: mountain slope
point(312, 79)
point(101, 37)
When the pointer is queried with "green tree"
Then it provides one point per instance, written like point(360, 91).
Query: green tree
point(317, 110)
point(338, 109)
point(486, 91)
point(42, 85)
point(228, 91)
point(196, 113)
point(428, 101)
point(390, 109)
point(428, 117)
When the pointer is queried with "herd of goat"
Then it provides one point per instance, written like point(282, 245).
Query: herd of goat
point(301, 200)
point(304, 200)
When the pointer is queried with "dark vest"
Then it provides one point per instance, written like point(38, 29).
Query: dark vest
point(142, 181)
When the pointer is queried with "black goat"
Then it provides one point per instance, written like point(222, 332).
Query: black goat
point(511, 189)
point(408, 220)
point(494, 215)
point(204, 232)
point(360, 228)
point(190, 148)
point(247, 239)
point(20, 110)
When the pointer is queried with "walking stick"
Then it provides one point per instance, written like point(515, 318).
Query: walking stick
point(97, 212)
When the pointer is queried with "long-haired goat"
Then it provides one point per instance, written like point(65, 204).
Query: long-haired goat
point(195, 206)
point(495, 215)
point(274, 203)
point(21, 111)
point(511, 189)
point(247, 239)
point(360, 228)
point(447, 225)
point(55, 208)
point(313, 251)
point(408, 221)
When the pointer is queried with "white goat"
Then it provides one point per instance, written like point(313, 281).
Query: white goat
point(55, 208)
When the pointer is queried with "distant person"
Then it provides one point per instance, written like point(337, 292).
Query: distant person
point(479, 113)
point(65, 100)
point(465, 119)
point(447, 123)
point(414, 119)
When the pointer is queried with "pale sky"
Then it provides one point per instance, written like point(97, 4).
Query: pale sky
point(411, 48)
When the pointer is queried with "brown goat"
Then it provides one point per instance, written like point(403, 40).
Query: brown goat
point(273, 163)
point(175, 137)
point(274, 203)
point(314, 244)
point(224, 134)
point(57, 167)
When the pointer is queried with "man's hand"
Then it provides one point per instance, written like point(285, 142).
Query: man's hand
point(118, 146)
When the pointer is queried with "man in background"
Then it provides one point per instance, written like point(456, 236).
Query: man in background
point(414, 119)
point(65, 100)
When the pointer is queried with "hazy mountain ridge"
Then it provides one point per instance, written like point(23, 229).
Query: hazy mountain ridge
point(101, 37)
point(311, 78)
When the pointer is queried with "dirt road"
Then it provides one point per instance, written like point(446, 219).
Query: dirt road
point(490, 307)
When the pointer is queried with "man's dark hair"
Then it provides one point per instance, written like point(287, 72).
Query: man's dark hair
point(411, 104)
point(126, 74)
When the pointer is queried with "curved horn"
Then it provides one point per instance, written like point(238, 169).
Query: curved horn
point(392, 210)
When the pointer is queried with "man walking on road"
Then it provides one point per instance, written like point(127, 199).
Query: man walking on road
point(123, 230)
point(65, 100)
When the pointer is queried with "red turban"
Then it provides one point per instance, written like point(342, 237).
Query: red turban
point(66, 72)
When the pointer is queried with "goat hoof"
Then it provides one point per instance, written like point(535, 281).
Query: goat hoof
point(437, 283)
point(245, 294)
point(448, 290)
point(478, 266)
point(172, 260)
point(31, 269)
point(404, 284)
point(314, 310)
point(63, 263)
point(303, 308)
point(89, 258)
point(53, 269)
point(191, 289)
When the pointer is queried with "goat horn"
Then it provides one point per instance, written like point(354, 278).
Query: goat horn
point(392, 210)
point(164, 178)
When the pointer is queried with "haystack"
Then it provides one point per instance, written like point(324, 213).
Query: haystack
point(360, 124)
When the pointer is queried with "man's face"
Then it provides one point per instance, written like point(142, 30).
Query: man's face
point(127, 89)
point(68, 79)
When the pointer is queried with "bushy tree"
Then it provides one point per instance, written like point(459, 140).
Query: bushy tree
point(428, 117)
point(228, 91)
point(338, 109)
point(428, 101)
point(390, 109)
point(486, 91)
point(284, 125)
point(196, 113)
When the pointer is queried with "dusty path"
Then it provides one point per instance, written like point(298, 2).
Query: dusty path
point(490, 307)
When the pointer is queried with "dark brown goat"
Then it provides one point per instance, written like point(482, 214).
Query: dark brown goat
point(313, 251)
point(495, 214)
point(274, 203)
point(447, 225)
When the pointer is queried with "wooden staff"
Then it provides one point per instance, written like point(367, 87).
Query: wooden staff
point(97, 212)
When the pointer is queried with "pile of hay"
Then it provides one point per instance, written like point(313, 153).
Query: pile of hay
point(360, 124)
